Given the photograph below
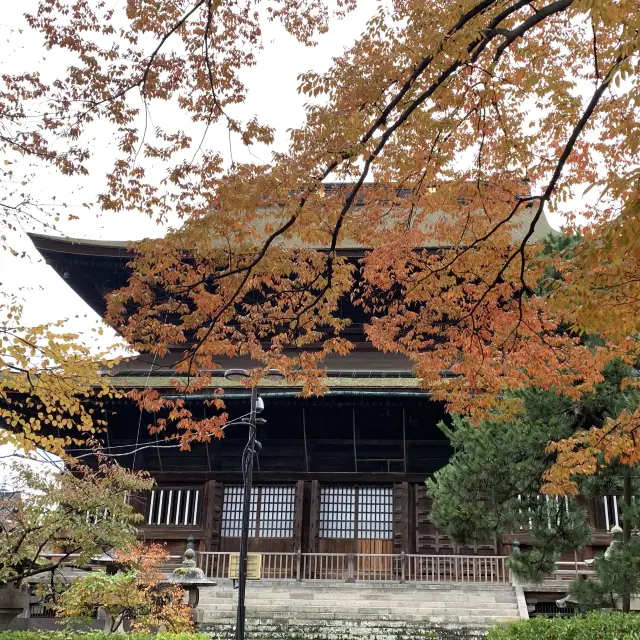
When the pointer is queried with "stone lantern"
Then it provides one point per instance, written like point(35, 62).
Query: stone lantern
point(191, 578)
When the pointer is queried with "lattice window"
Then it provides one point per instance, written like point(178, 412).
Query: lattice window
point(277, 505)
point(232, 511)
point(367, 511)
point(612, 512)
point(337, 512)
point(375, 512)
point(271, 514)
point(173, 507)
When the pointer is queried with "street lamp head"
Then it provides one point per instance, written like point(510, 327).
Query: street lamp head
point(236, 375)
point(259, 405)
point(240, 375)
point(273, 375)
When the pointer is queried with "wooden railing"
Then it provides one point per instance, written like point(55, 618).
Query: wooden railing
point(353, 567)
point(570, 569)
point(64, 559)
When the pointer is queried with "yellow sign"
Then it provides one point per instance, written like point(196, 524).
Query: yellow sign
point(254, 566)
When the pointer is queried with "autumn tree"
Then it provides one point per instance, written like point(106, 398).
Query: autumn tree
point(137, 593)
point(51, 383)
point(491, 111)
point(73, 515)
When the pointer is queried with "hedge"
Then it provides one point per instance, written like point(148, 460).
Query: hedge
point(594, 626)
point(96, 635)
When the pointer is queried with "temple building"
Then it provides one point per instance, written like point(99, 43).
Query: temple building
point(339, 474)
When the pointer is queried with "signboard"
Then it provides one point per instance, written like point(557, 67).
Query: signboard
point(254, 566)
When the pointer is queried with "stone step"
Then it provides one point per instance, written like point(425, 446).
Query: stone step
point(379, 593)
point(323, 618)
point(426, 616)
point(357, 606)
point(356, 612)
point(267, 626)
point(338, 611)
point(333, 593)
point(369, 585)
point(304, 599)
point(257, 631)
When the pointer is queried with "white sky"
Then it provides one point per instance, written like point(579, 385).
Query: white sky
point(272, 94)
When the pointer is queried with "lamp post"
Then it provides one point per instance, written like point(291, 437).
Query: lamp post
point(240, 375)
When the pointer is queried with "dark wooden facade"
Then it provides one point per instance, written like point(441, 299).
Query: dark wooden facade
point(346, 472)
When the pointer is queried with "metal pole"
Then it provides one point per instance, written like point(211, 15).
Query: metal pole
point(626, 531)
point(247, 474)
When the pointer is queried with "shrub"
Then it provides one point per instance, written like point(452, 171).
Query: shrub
point(95, 635)
point(595, 626)
point(138, 594)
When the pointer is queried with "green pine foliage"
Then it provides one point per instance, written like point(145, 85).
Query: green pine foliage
point(493, 482)
point(595, 626)
point(618, 573)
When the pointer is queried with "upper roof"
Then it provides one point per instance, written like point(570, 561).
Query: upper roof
point(266, 217)
point(92, 268)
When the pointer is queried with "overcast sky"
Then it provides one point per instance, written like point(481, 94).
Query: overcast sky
point(272, 94)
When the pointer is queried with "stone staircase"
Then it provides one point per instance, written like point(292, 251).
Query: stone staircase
point(364, 610)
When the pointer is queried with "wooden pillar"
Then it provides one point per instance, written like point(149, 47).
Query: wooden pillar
point(298, 515)
point(314, 517)
point(398, 529)
point(423, 540)
point(212, 514)
point(404, 523)
point(409, 518)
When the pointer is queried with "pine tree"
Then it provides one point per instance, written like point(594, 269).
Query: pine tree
point(495, 481)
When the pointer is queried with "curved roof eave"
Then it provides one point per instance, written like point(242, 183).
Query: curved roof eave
point(80, 246)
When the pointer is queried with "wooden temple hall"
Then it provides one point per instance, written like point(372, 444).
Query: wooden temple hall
point(340, 475)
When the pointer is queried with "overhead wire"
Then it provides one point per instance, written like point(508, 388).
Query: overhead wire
point(127, 446)
point(152, 445)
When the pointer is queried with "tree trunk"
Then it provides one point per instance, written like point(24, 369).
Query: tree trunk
point(626, 532)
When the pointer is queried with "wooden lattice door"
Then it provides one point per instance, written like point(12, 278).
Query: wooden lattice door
point(356, 519)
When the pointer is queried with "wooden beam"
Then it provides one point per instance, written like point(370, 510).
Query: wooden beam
point(170, 533)
point(304, 436)
point(188, 478)
point(355, 452)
